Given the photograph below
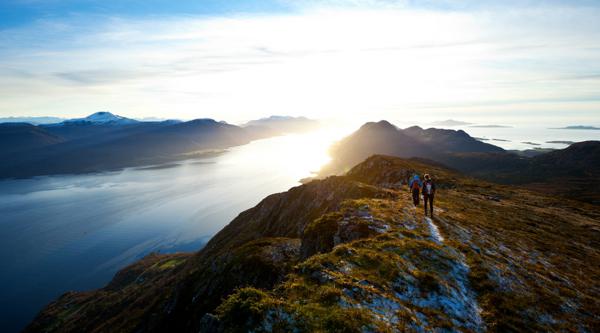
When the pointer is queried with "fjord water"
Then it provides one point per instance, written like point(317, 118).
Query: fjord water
point(74, 232)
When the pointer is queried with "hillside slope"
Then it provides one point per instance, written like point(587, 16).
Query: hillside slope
point(384, 138)
point(22, 136)
point(105, 146)
point(573, 172)
point(351, 253)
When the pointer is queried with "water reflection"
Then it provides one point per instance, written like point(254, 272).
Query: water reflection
point(74, 232)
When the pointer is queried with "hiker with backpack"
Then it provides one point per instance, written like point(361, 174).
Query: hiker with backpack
point(428, 193)
point(414, 186)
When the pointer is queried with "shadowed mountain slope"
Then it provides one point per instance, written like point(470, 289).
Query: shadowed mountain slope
point(21, 136)
point(385, 138)
point(103, 142)
point(573, 172)
point(351, 253)
point(116, 146)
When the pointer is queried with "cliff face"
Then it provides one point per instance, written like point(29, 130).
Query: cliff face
point(352, 253)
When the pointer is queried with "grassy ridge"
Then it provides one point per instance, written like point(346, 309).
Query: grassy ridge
point(351, 253)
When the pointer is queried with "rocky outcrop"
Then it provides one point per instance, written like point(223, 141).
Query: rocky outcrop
point(348, 224)
point(393, 281)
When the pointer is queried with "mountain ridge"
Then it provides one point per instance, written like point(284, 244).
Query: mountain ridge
point(102, 117)
point(32, 120)
point(351, 253)
point(572, 172)
point(384, 138)
point(27, 135)
point(106, 142)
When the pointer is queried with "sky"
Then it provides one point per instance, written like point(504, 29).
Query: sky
point(481, 61)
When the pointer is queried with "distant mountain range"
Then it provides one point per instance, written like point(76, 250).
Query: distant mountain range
point(572, 172)
point(490, 126)
point(102, 117)
point(56, 120)
point(456, 123)
point(104, 141)
point(579, 127)
point(450, 123)
point(32, 120)
point(282, 124)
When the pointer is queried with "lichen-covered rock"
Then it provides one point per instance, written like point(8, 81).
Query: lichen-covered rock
point(353, 221)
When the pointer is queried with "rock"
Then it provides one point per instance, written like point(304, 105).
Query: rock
point(210, 324)
point(333, 229)
point(493, 198)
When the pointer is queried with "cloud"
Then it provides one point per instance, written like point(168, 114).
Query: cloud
point(100, 77)
point(318, 61)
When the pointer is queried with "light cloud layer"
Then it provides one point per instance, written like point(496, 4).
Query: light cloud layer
point(398, 63)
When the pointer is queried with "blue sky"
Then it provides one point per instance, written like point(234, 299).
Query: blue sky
point(20, 12)
point(508, 61)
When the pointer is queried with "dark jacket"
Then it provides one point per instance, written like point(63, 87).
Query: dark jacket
point(428, 187)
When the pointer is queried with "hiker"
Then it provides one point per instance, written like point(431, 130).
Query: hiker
point(414, 185)
point(428, 193)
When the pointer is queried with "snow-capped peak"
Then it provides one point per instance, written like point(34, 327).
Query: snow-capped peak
point(103, 117)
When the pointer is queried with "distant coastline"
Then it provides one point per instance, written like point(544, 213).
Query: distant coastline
point(490, 126)
point(578, 127)
point(562, 142)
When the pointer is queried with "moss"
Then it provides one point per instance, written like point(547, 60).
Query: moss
point(252, 309)
point(170, 264)
point(328, 295)
point(319, 235)
point(318, 318)
point(245, 309)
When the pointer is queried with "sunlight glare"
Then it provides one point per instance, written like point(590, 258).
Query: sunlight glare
point(301, 155)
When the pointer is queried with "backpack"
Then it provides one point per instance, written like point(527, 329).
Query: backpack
point(415, 185)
